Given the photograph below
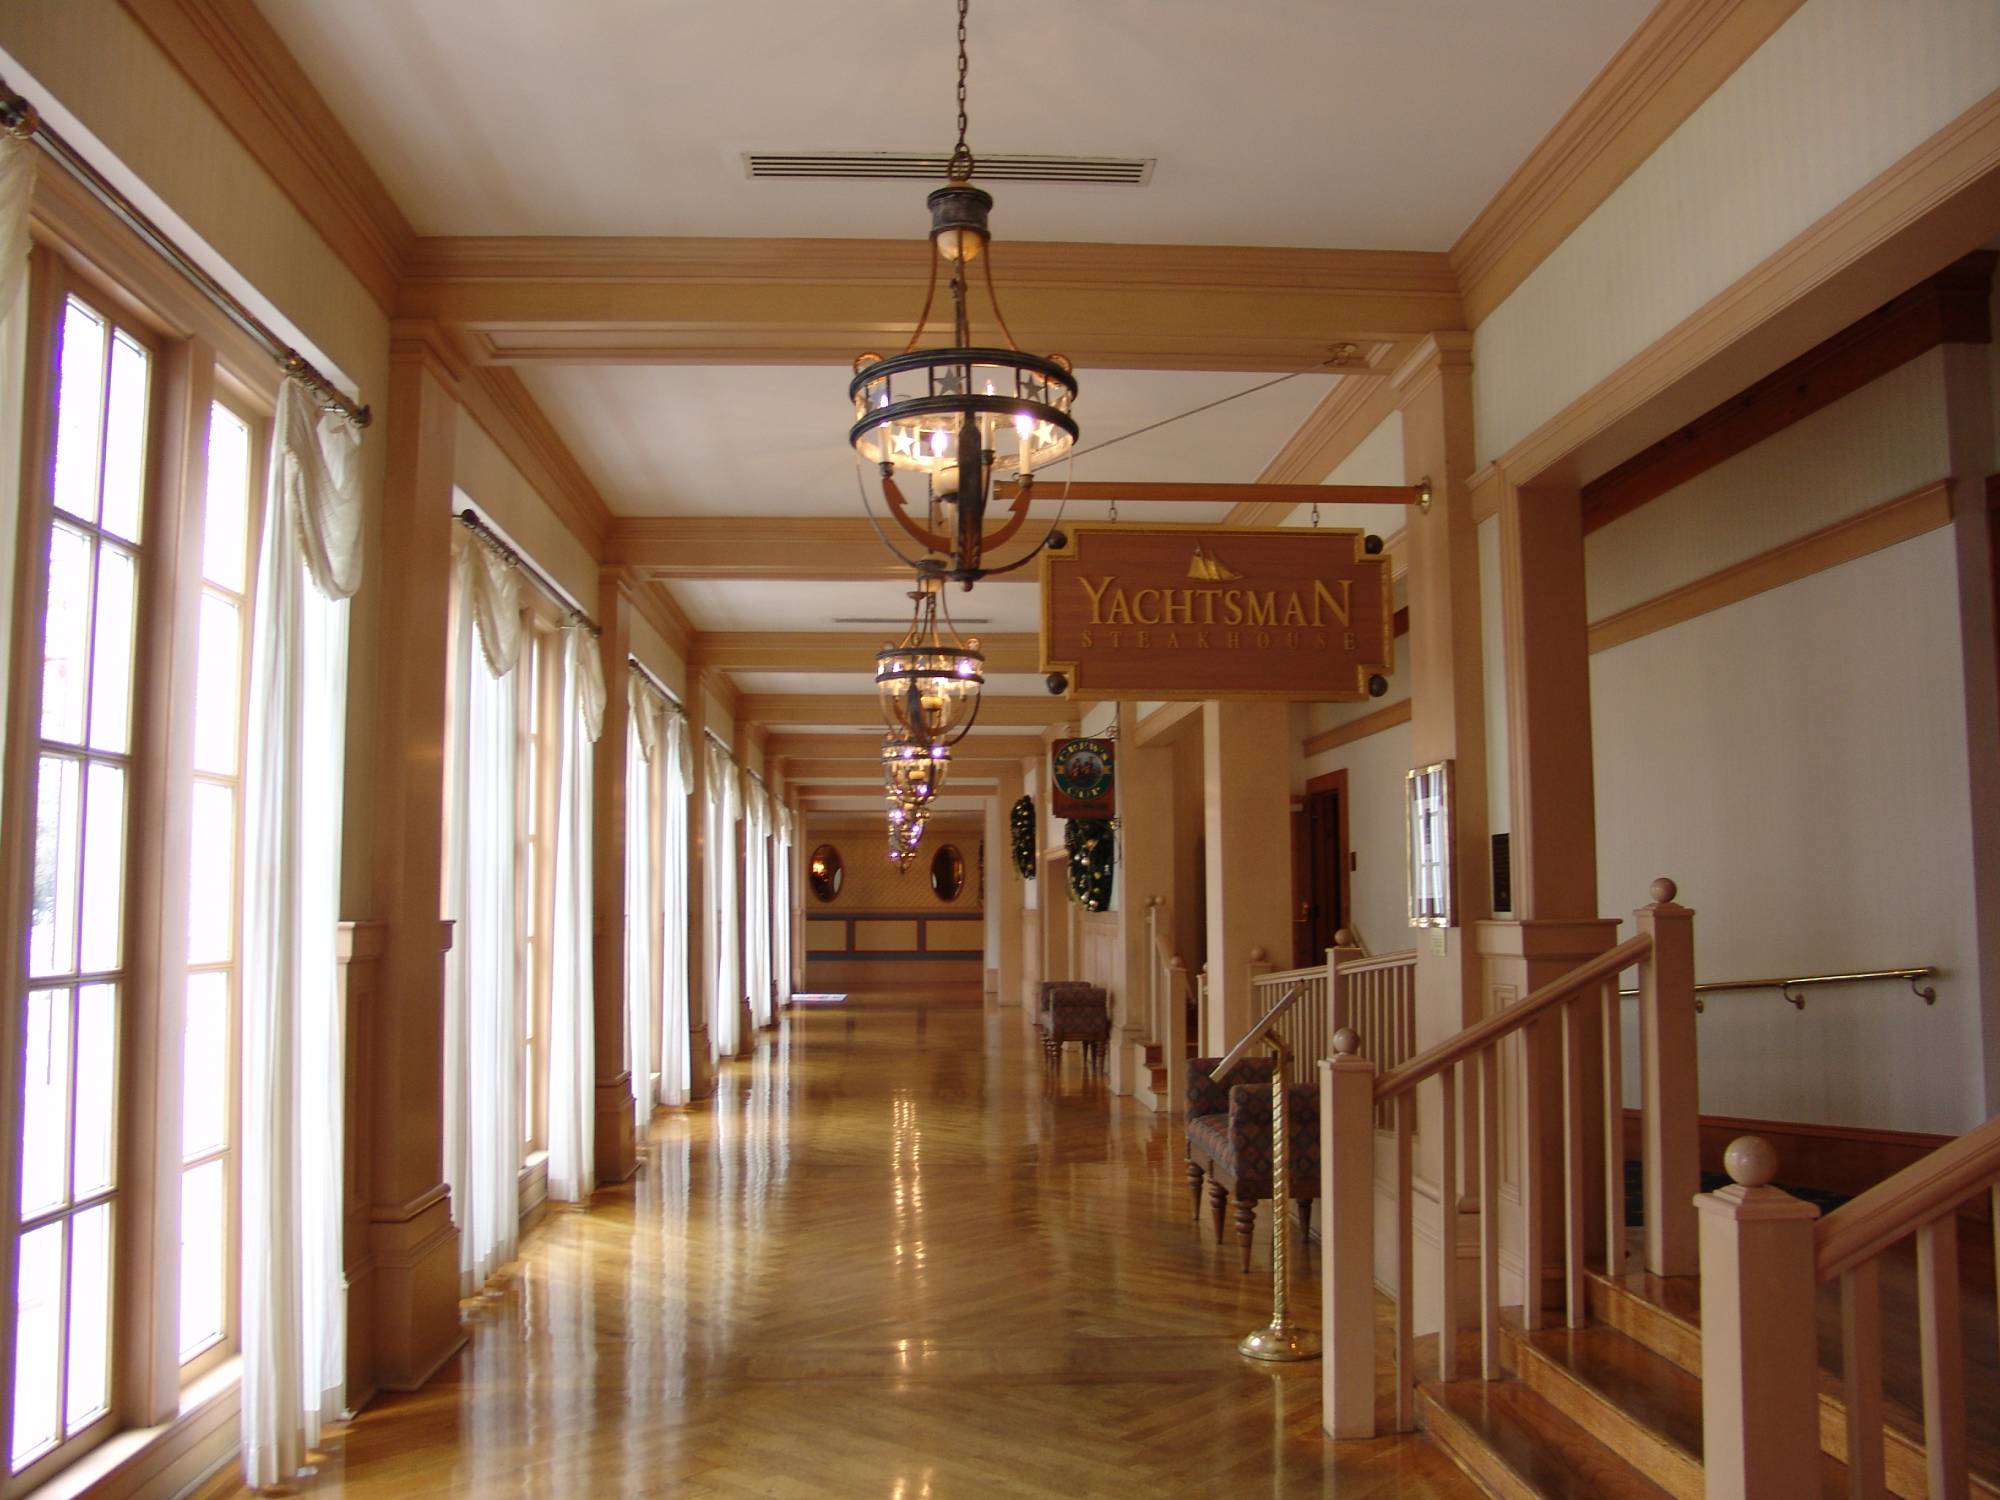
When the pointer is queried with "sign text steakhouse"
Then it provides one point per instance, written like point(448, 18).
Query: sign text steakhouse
point(1192, 612)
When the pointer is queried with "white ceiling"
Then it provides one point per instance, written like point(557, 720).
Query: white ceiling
point(862, 680)
point(765, 440)
point(1382, 124)
point(752, 604)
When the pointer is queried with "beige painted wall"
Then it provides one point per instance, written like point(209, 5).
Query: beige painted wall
point(1823, 107)
point(1797, 763)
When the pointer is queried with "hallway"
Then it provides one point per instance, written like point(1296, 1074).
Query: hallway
point(894, 1261)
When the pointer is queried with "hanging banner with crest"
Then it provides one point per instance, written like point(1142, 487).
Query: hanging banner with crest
point(1197, 612)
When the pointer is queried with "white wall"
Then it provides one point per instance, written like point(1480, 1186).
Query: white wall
point(1836, 95)
point(1797, 763)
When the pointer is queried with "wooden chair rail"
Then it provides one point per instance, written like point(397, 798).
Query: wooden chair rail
point(1920, 1194)
point(1477, 1037)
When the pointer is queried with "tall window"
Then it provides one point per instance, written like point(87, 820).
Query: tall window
point(209, 1082)
point(79, 979)
point(532, 987)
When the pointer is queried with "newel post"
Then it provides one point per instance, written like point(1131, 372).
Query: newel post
point(1759, 1359)
point(1347, 1238)
point(1670, 1095)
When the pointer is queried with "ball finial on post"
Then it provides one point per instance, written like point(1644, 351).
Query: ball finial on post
point(1751, 1161)
point(1346, 1042)
point(1664, 891)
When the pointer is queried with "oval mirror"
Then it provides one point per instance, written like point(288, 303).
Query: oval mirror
point(825, 872)
point(948, 872)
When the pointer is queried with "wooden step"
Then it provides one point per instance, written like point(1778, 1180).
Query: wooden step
point(1664, 1315)
point(1638, 1404)
point(1516, 1446)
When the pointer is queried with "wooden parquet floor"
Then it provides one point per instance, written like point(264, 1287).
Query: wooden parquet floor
point(892, 1258)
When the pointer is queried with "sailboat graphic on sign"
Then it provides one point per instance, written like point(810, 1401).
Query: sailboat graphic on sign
point(1208, 569)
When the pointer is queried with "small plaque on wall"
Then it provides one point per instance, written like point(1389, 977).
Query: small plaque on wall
point(1082, 778)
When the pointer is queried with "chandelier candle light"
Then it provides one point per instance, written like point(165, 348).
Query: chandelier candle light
point(959, 413)
point(930, 681)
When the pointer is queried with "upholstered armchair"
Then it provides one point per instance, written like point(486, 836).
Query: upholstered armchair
point(1075, 1012)
point(1229, 1141)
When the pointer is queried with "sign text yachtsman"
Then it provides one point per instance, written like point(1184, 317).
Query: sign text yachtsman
point(1180, 612)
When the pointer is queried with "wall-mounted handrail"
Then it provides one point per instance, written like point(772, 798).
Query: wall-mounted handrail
point(1924, 992)
point(1379, 961)
point(1475, 1038)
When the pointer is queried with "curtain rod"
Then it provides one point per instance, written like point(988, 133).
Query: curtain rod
point(22, 119)
point(645, 674)
point(475, 523)
point(720, 743)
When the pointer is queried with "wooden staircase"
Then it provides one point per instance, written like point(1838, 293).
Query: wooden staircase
point(1156, 1066)
point(1614, 1409)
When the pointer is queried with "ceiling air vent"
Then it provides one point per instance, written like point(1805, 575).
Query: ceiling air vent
point(1123, 170)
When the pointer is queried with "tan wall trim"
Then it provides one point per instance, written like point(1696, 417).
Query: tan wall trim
point(237, 62)
point(1679, 55)
point(1164, 723)
point(1931, 207)
point(1884, 526)
point(1358, 729)
point(500, 403)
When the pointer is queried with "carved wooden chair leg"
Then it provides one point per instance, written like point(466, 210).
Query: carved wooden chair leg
point(1218, 1203)
point(1246, 1226)
point(1195, 1175)
point(1305, 1220)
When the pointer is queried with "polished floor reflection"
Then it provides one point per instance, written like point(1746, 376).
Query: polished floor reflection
point(894, 1257)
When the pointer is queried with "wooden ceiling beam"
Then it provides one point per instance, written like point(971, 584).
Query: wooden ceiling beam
point(801, 547)
point(839, 651)
point(778, 301)
point(860, 710)
point(820, 750)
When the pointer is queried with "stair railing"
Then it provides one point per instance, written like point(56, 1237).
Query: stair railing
point(1378, 1002)
point(1167, 1004)
point(1351, 1091)
point(1764, 1253)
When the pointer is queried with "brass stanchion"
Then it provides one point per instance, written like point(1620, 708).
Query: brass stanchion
point(1281, 1339)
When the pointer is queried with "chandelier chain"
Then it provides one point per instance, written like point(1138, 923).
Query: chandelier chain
point(959, 168)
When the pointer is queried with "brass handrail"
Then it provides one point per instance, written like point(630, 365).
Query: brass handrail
point(1257, 1032)
point(1924, 992)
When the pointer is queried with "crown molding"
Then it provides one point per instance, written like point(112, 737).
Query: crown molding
point(1679, 56)
point(838, 650)
point(240, 66)
point(823, 547)
point(500, 403)
point(1335, 428)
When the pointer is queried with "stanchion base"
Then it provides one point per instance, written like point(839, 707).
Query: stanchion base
point(1277, 1343)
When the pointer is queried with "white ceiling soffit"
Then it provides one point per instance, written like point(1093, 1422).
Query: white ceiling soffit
point(770, 440)
point(1374, 124)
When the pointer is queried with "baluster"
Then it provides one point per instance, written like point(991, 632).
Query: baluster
point(1347, 1239)
point(1489, 1213)
point(1574, 1302)
point(1406, 1292)
point(1534, 1188)
point(1943, 1359)
point(1614, 1129)
point(1861, 1377)
point(1447, 1225)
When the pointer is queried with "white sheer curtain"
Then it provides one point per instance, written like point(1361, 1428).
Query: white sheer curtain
point(17, 185)
point(572, 1025)
point(756, 902)
point(781, 904)
point(294, 1313)
point(642, 915)
point(676, 1074)
point(482, 977)
point(725, 1021)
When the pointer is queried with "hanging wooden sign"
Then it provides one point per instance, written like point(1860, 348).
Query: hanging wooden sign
point(1195, 612)
point(1081, 774)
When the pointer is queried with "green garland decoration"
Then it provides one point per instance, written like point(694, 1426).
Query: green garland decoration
point(1021, 821)
point(1093, 852)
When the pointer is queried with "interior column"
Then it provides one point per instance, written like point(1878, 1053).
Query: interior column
point(1246, 778)
point(1004, 885)
point(1447, 723)
point(410, 1286)
point(1145, 792)
point(616, 1150)
point(700, 947)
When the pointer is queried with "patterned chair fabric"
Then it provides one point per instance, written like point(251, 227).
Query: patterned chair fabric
point(1228, 1129)
point(1075, 1012)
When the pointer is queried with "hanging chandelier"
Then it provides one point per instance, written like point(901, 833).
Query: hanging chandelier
point(906, 831)
point(929, 683)
point(961, 414)
point(913, 772)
